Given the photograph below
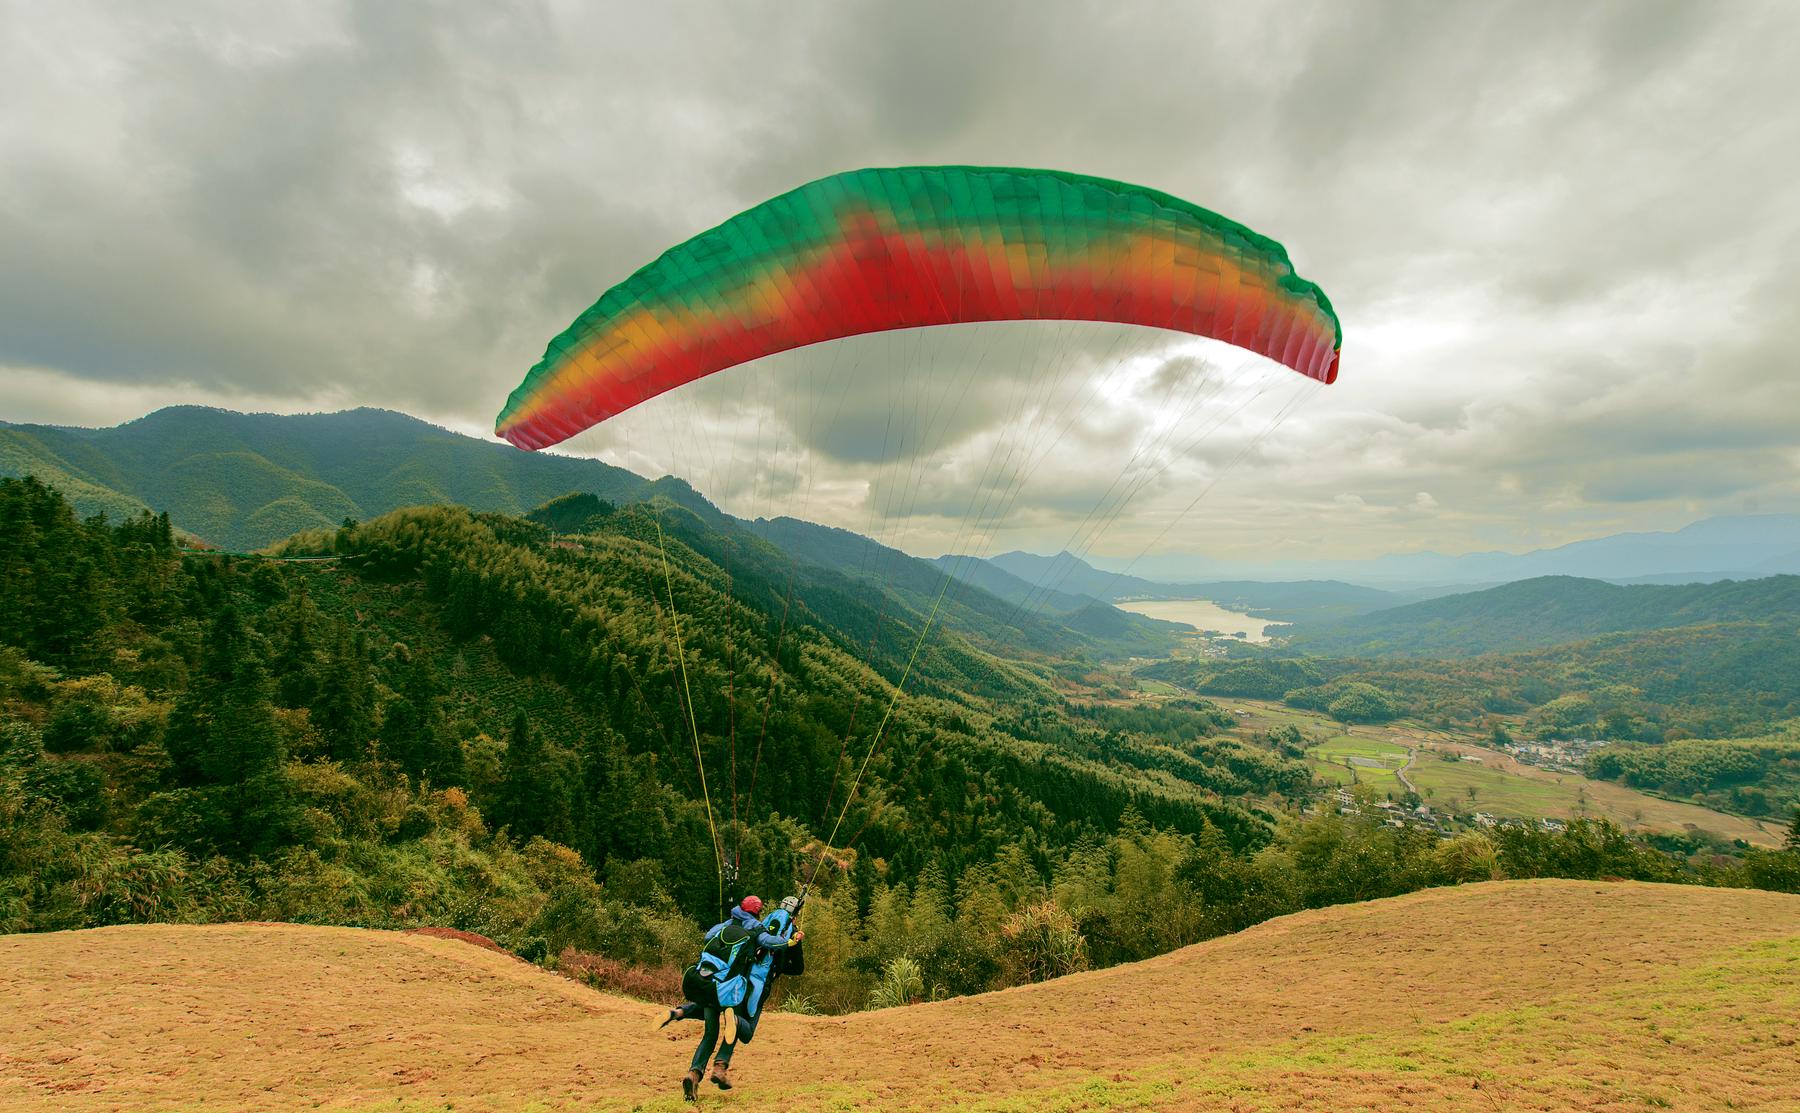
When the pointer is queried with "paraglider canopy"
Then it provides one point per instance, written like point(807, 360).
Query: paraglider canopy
point(913, 248)
point(875, 250)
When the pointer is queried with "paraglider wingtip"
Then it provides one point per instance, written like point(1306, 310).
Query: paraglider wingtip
point(517, 436)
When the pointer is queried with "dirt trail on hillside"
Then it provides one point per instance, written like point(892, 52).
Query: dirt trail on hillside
point(1513, 995)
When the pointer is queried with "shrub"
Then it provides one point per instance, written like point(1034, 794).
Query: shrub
point(902, 983)
point(802, 1004)
point(1039, 942)
point(960, 964)
point(661, 984)
point(1469, 857)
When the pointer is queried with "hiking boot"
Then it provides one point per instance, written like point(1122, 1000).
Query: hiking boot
point(719, 1077)
point(690, 1085)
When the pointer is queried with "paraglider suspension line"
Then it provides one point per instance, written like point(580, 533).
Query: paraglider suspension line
point(875, 743)
point(693, 724)
point(768, 703)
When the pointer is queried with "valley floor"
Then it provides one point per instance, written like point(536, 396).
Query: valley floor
point(1503, 786)
point(1542, 995)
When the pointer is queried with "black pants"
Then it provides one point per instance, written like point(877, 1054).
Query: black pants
point(745, 1031)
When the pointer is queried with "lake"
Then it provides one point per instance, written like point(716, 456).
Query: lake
point(1201, 614)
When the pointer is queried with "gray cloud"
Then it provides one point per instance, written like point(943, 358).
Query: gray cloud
point(1561, 238)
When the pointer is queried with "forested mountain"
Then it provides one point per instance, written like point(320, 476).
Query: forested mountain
point(1708, 550)
point(1712, 681)
point(554, 738)
point(1067, 572)
point(241, 481)
point(244, 481)
point(1020, 592)
point(1549, 611)
point(213, 707)
point(1079, 625)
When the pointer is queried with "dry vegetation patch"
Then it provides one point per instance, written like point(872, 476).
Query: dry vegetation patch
point(1512, 995)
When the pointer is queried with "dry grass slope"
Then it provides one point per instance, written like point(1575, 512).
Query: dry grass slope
point(1549, 995)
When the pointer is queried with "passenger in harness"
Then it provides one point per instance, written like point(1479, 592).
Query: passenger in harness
point(727, 986)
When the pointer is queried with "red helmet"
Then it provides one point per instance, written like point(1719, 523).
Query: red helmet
point(751, 904)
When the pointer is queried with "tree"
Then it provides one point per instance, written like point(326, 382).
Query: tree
point(226, 752)
point(1362, 703)
point(344, 707)
point(1793, 832)
point(412, 729)
point(296, 664)
point(534, 791)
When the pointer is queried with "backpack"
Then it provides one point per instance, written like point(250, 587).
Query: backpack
point(725, 963)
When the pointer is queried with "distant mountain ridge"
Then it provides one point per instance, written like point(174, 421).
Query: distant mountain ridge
point(244, 481)
point(1547, 611)
point(1048, 581)
point(1720, 548)
point(983, 604)
point(1016, 589)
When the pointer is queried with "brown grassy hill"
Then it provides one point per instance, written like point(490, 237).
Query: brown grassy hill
point(1547, 995)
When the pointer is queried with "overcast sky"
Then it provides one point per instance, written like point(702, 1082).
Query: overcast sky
point(1562, 239)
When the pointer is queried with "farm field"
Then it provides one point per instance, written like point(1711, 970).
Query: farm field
point(1503, 786)
point(1449, 783)
point(1153, 687)
point(1589, 995)
point(1579, 795)
point(1359, 759)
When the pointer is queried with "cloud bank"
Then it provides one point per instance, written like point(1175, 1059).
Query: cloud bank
point(1562, 240)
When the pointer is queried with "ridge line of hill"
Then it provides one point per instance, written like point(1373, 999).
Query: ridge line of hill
point(1548, 611)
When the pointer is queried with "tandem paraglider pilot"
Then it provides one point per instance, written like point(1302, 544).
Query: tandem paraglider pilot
point(732, 979)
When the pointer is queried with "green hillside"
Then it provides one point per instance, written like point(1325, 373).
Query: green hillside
point(1752, 776)
point(243, 481)
point(468, 721)
point(993, 617)
point(1711, 681)
point(1548, 611)
point(167, 712)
